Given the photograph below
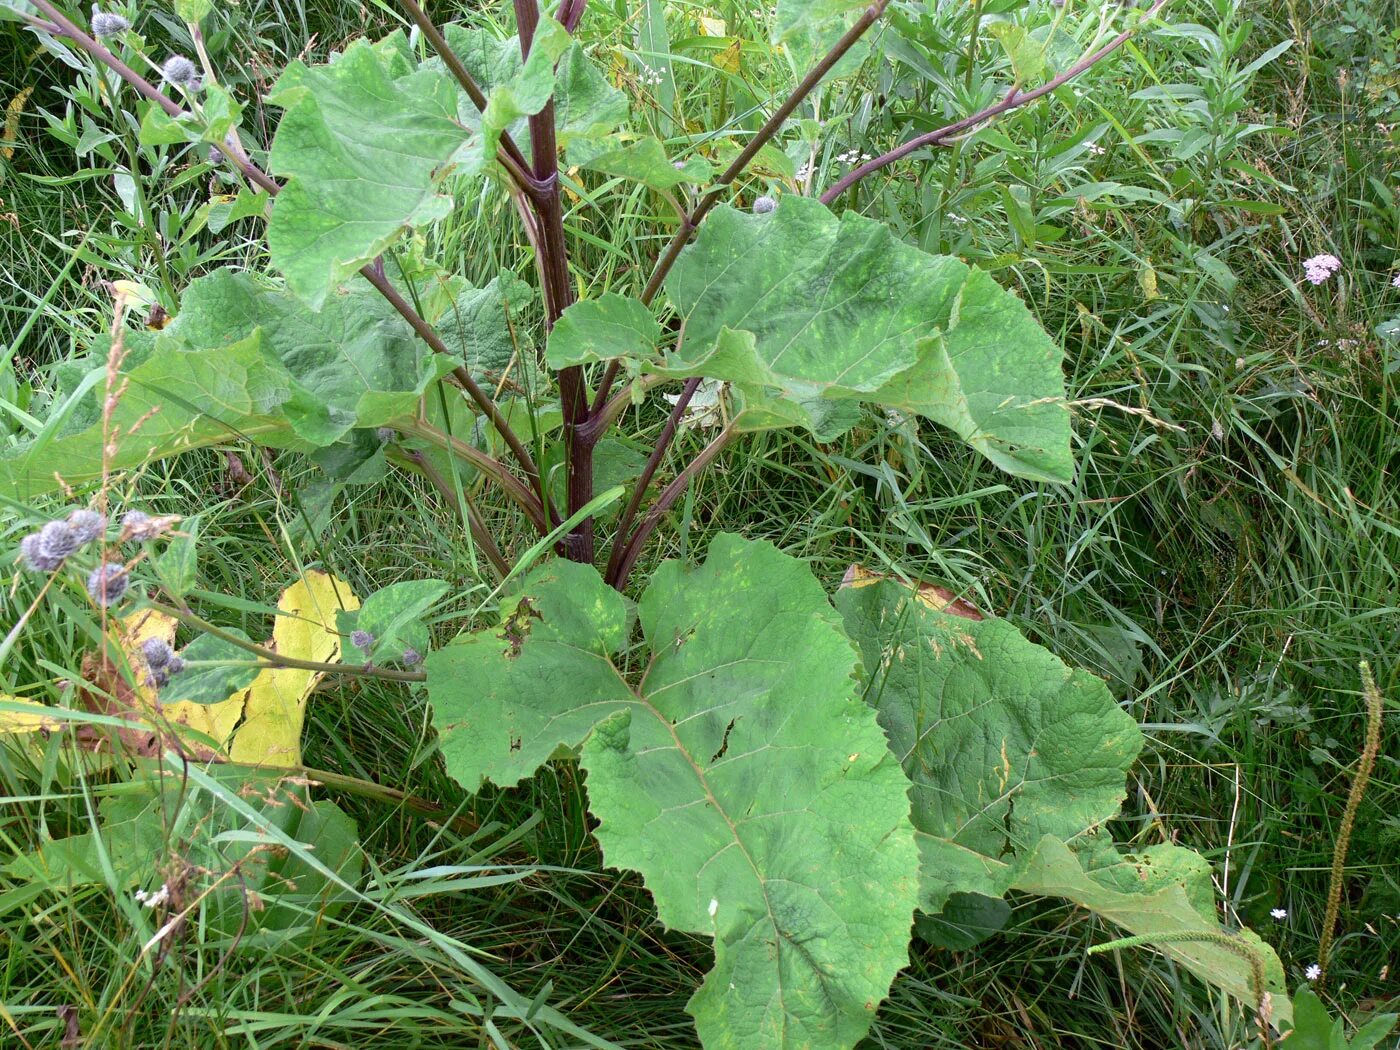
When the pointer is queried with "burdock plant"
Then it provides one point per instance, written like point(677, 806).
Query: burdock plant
point(793, 775)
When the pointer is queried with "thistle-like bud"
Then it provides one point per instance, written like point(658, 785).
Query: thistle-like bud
point(216, 155)
point(412, 657)
point(175, 665)
point(35, 560)
point(108, 582)
point(180, 71)
point(108, 23)
point(157, 652)
point(763, 205)
point(87, 525)
point(138, 525)
point(158, 677)
point(57, 540)
point(386, 434)
point(361, 640)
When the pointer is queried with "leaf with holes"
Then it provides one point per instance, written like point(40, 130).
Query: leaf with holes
point(1015, 758)
point(730, 761)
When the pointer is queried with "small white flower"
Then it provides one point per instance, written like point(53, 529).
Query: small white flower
point(1395, 281)
point(714, 907)
point(1095, 150)
point(1320, 267)
point(1279, 913)
point(1313, 972)
point(153, 900)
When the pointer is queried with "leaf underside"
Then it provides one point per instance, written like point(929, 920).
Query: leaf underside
point(741, 776)
point(241, 360)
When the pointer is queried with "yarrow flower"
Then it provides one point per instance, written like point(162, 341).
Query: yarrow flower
point(107, 583)
point(1279, 913)
point(153, 900)
point(180, 71)
point(87, 525)
point(1320, 267)
point(763, 205)
point(108, 23)
point(361, 639)
point(653, 77)
point(1313, 972)
point(1095, 150)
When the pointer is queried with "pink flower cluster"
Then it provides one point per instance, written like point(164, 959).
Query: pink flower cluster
point(1320, 267)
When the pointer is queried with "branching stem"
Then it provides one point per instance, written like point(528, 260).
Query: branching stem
point(625, 556)
point(1014, 99)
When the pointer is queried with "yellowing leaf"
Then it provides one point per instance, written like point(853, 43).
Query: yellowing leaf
point(276, 701)
point(711, 26)
point(31, 720)
point(731, 57)
point(935, 597)
point(215, 721)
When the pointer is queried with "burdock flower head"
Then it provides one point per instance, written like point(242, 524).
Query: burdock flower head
point(87, 525)
point(412, 657)
point(107, 583)
point(46, 550)
point(180, 71)
point(108, 23)
point(763, 205)
point(361, 640)
point(157, 652)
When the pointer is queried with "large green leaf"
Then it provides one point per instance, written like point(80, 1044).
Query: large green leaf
point(1004, 743)
point(240, 360)
point(1015, 759)
point(800, 311)
point(363, 145)
point(730, 761)
point(367, 140)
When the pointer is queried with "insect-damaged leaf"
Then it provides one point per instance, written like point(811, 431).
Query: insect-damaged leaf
point(741, 775)
point(1014, 758)
point(1003, 742)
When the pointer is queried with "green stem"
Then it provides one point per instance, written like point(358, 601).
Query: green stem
point(275, 659)
point(1375, 712)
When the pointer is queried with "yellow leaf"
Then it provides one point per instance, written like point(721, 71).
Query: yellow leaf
point(1147, 281)
point(11, 132)
point(730, 58)
point(216, 721)
point(711, 26)
point(276, 701)
point(34, 718)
